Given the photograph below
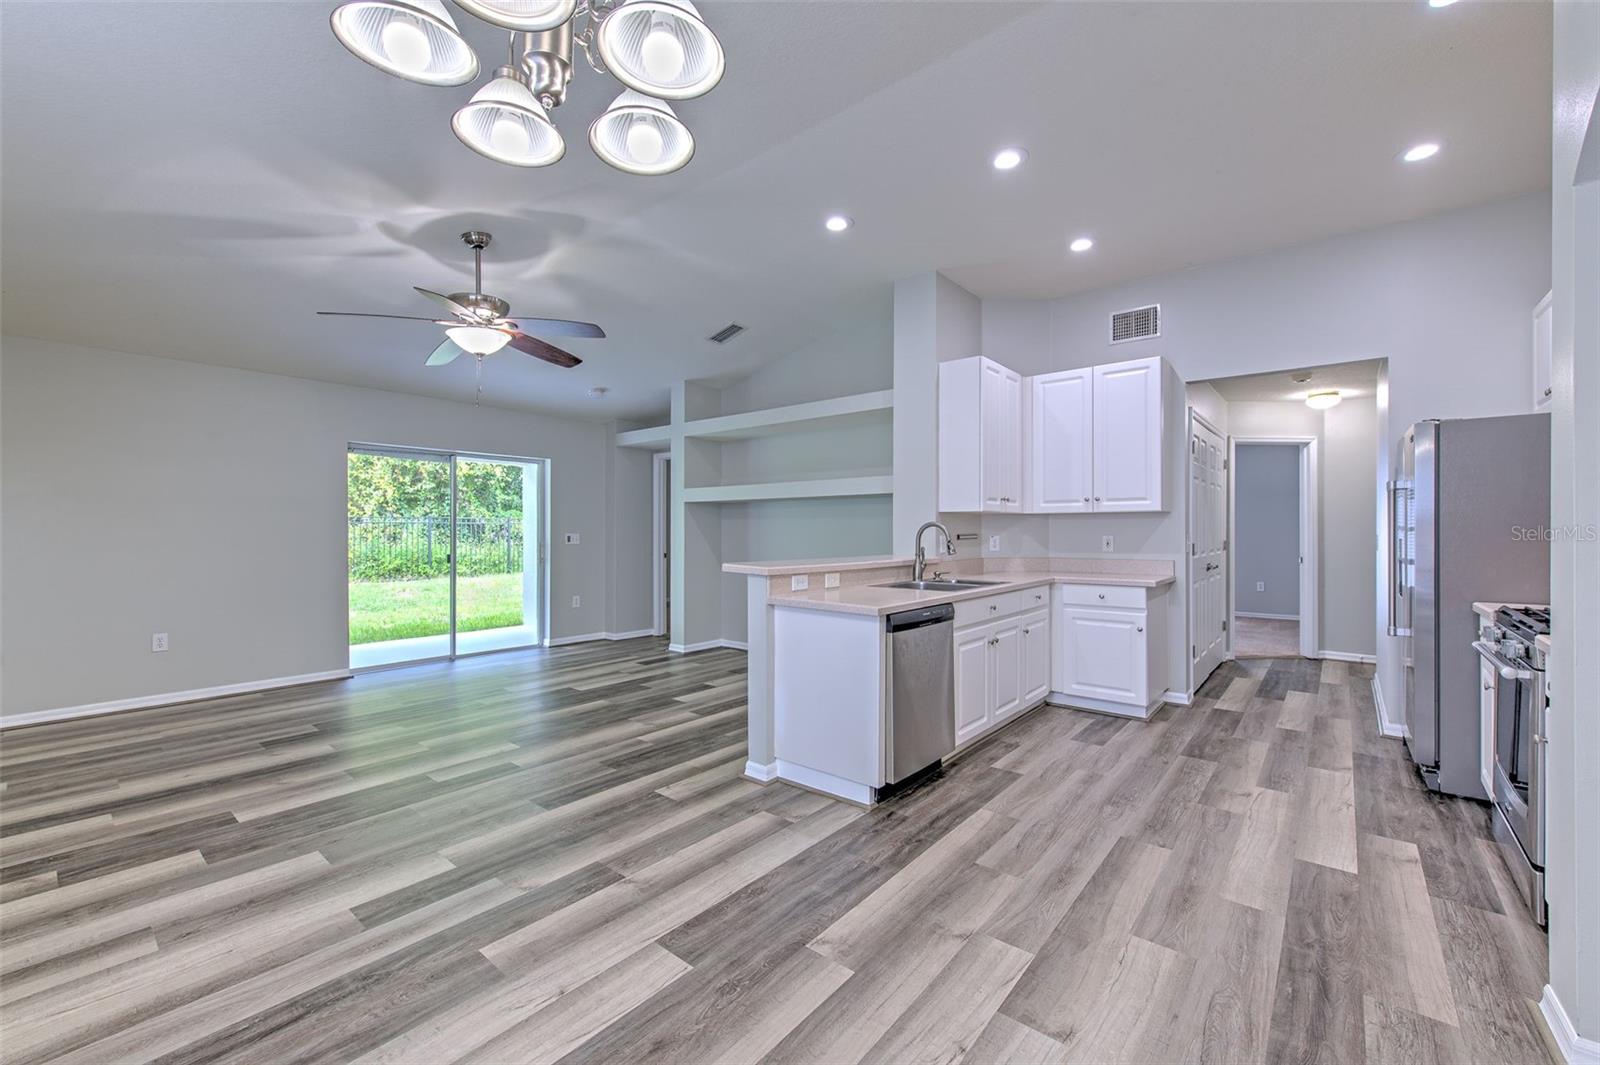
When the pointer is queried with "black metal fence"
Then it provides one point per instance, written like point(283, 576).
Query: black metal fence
point(393, 549)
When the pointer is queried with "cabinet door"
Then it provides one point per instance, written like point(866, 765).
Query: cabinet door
point(972, 682)
point(1061, 467)
point(1488, 685)
point(1000, 400)
point(1035, 656)
point(1128, 436)
point(1542, 354)
point(1005, 670)
point(1105, 655)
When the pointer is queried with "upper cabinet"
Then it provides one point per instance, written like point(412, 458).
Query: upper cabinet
point(1542, 340)
point(980, 437)
point(1095, 439)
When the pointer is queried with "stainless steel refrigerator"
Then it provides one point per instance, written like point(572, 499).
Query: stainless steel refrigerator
point(1467, 514)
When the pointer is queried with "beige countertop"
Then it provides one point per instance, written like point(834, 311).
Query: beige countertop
point(871, 599)
point(832, 565)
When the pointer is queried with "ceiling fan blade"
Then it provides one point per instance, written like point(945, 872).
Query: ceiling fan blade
point(445, 352)
point(540, 350)
point(448, 303)
point(363, 314)
point(557, 327)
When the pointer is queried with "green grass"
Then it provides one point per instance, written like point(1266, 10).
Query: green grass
point(398, 610)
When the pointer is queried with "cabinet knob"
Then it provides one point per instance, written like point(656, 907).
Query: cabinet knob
point(1488, 687)
point(1102, 595)
point(1097, 499)
point(1026, 631)
point(1036, 598)
point(1086, 499)
point(1139, 629)
point(993, 607)
point(1547, 391)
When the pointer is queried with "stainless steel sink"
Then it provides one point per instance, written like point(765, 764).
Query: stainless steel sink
point(939, 586)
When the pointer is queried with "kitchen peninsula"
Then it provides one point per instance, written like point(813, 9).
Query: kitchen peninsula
point(1078, 632)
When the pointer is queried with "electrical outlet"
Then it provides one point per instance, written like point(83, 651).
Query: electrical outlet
point(1107, 544)
point(1261, 586)
point(158, 642)
point(577, 600)
point(799, 582)
point(572, 538)
point(830, 580)
point(994, 543)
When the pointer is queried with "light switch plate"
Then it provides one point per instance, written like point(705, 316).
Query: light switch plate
point(1106, 544)
point(799, 582)
point(1261, 586)
point(830, 580)
point(994, 543)
point(158, 642)
point(577, 600)
point(572, 538)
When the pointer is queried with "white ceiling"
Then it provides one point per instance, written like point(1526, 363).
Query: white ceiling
point(1351, 379)
point(195, 180)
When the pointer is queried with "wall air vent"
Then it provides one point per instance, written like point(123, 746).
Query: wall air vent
point(1141, 323)
point(726, 333)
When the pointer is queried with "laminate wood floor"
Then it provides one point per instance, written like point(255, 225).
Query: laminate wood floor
point(551, 856)
point(1266, 638)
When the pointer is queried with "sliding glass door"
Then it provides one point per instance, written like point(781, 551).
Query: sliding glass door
point(445, 555)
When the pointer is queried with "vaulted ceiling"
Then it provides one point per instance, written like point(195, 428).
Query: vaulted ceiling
point(195, 180)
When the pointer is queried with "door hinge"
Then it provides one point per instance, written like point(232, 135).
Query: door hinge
point(1224, 545)
point(1224, 624)
point(1194, 549)
point(1224, 463)
point(1191, 446)
point(1194, 650)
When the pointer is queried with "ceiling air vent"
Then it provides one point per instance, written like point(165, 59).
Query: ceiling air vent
point(726, 333)
point(1141, 323)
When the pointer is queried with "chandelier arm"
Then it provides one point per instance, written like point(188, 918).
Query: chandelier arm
point(592, 12)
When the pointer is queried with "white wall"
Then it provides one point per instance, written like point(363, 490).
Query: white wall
point(1266, 545)
point(1445, 299)
point(146, 495)
point(1574, 748)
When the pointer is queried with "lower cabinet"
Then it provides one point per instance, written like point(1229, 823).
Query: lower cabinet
point(1108, 643)
point(1488, 688)
point(1002, 668)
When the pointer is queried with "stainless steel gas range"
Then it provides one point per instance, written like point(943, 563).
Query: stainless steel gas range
point(1520, 715)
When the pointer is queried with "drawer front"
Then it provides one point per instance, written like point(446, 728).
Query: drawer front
point(1110, 595)
point(1005, 604)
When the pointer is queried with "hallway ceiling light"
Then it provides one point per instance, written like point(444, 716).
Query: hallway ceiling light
point(1009, 158)
point(1440, 3)
point(1324, 400)
point(659, 49)
point(412, 39)
point(837, 223)
point(1418, 153)
point(1082, 244)
point(641, 135)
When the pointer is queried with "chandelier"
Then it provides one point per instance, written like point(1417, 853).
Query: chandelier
point(659, 50)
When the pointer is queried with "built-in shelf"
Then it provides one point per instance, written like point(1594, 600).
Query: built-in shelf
point(828, 488)
point(862, 408)
point(656, 438)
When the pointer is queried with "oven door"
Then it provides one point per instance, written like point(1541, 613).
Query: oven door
point(1518, 748)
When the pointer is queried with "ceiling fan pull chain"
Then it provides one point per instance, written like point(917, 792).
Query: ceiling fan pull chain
point(477, 378)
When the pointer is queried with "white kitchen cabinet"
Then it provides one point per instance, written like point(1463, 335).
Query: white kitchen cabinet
point(1006, 666)
point(1488, 681)
point(1543, 391)
point(1128, 436)
point(1060, 444)
point(972, 682)
point(980, 437)
point(1036, 651)
point(1109, 648)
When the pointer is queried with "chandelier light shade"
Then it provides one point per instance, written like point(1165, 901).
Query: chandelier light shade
point(526, 15)
point(412, 39)
point(505, 122)
point(478, 339)
point(660, 48)
point(641, 135)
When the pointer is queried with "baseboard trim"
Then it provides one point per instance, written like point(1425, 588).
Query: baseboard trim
point(826, 783)
point(707, 645)
point(761, 774)
point(1102, 706)
point(1384, 727)
point(147, 702)
point(583, 637)
point(1574, 1048)
point(1177, 698)
point(634, 635)
point(1266, 617)
point(1348, 656)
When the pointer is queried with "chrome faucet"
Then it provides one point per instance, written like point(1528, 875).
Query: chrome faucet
point(922, 559)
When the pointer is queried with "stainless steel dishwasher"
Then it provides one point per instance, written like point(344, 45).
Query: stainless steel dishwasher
point(922, 711)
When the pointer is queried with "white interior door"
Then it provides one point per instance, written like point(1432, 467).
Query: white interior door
point(1208, 556)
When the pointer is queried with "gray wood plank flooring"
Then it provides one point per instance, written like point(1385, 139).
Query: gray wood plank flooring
point(552, 856)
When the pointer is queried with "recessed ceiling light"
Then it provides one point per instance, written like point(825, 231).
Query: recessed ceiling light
point(1417, 153)
point(1323, 400)
point(1009, 158)
point(837, 223)
point(1440, 3)
point(1081, 244)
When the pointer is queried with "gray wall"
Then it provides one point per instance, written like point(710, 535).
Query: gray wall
point(1266, 514)
point(1574, 749)
point(1446, 299)
point(146, 495)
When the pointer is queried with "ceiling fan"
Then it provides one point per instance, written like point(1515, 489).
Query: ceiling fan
point(479, 325)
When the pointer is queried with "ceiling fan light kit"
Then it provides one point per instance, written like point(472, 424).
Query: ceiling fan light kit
point(659, 49)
